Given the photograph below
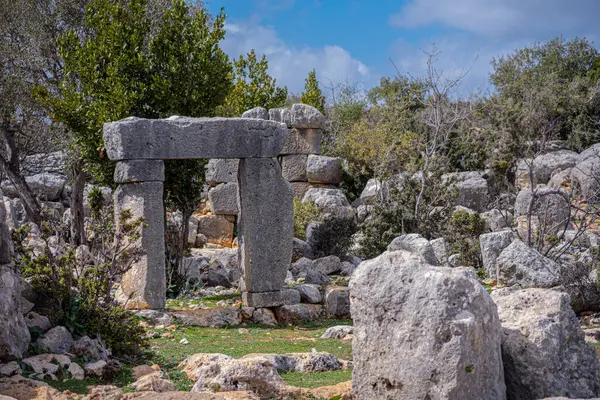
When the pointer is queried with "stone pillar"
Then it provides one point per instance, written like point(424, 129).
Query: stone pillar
point(141, 191)
point(265, 231)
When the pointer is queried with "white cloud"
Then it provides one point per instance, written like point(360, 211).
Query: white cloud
point(505, 18)
point(482, 30)
point(290, 64)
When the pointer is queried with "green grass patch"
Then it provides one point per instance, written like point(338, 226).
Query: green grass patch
point(79, 387)
point(208, 301)
point(253, 339)
point(316, 379)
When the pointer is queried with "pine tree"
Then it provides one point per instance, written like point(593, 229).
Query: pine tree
point(312, 95)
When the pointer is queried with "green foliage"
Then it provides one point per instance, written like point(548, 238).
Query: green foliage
point(333, 236)
point(544, 92)
point(465, 228)
point(312, 95)
point(304, 214)
point(253, 87)
point(76, 287)
point(397, 216)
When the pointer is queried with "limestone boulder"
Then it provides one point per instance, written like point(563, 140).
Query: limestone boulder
point(299, 313)
point(492, 244)
point(257, 113)
point(472, 189)
point(338, 332)
point(551, 208)
point(519, 264)
point(301, 249)
point(323, 169)
point(264, 316)
point(57, 340)
point(440, 248)
point(309, 293)
point(217, 229)
point(328, 265)
point(45, 185)
point(337, 302)
point(221, 170)
point(38, 322)
point(90, 349)
point(422, 331)
point(544, 166)
point(414, 243)
point(584, 178)
point(223, 199)
point(497, 220)
point(543, 346)
point(305, 269)
point(14, 335)
point(375, 191)
point(332, 202)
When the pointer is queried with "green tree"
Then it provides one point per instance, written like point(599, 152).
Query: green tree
point(312, 95)
point(126, 64)
point(253, 87)
point(545, 92)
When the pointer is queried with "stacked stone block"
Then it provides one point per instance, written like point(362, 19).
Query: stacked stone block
point(301, 163)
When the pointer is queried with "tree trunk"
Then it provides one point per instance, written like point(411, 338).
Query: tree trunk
point(77, 215)
point(12, 168)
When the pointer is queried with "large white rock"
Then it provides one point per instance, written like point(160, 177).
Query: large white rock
point(543, 346)
point(519, 264)
point(491, 245)
point(414, 243)
point(472, 189)
point(551, 208)
point(332, 202)
point(423, 332)
point(544, 166)
point(45, 185)
point(585, 178)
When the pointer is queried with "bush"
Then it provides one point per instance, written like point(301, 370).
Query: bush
point(332, 236)
point(397, 216)
point(304, 214)
point(76, 284)
point(465, 228)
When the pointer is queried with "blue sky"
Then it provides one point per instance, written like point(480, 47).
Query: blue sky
point(361, 40)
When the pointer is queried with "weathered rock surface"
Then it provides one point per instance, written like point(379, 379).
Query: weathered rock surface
point(472, 189)
point(584, 177)
point(328, 265)
point(305, 116)
point(496, 220)
point(519, 264)
point(543, 346)
point(440, 249)
point(446, 332)
point(323, 169)
point(256, 112)
point(374, 191)
point(184, 137)
point(492, 244)
point(414, 243)
point(552, 209)
point(544, 166)
point(139, 171)
point(338, 332)
point(293, 167)
point(14, 335)
point(302, 141)
point(211, 317)
point(57, 340)
point(221, 170)
point(337, 302)
point(301, 249)
point(266, 225)
point(281, 114)
point(332, 202)
point(299, 313)
point(223, 199)
point(309, 293)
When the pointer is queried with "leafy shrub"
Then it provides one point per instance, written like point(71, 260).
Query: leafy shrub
point(76, 285)
point(332, 236)
point(304, 214)
point(397, 216)
point(465, 228)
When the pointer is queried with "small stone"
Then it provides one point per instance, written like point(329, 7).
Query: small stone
point(10, 369)
point(95, 368)
point(338, 332)
point(309, 293)
point(36, 321)
point(184, 341)
point(57, 340)
point(76, 372)
point(264, 316)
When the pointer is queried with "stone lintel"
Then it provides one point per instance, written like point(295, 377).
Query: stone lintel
point(188, 138)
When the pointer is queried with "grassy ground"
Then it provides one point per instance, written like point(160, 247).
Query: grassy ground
point(236, 342)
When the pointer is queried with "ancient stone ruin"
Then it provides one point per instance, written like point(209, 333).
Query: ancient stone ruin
point(264, 197)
